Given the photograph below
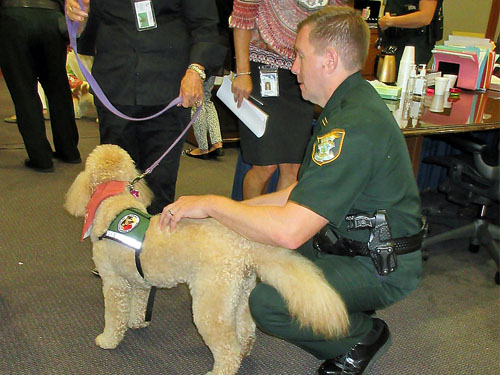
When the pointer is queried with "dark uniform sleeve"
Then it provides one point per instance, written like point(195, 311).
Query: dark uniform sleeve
point(329, 187)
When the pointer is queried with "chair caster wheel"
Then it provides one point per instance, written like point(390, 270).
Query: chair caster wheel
point(497, 278)
point(474, 248)
point(425, 255)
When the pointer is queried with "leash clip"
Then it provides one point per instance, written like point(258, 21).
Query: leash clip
point(130, 185)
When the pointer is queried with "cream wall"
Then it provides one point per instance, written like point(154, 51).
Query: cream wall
point(466, 15)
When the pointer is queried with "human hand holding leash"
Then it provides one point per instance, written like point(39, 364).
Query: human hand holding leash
point(191, 89)
point(75, 12)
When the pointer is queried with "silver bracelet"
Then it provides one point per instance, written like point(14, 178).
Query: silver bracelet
point(243, 74)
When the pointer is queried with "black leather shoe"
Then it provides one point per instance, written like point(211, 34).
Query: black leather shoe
point(29, 164)
point(362, 355)
point(57, 156)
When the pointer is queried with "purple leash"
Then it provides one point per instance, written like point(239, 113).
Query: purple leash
point(72, 30)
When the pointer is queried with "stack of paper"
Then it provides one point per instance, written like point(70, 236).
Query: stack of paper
point(474, 58)
point(254, 118)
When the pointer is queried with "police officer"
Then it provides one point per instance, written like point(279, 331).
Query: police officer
point(416, 23)
point(355, 209)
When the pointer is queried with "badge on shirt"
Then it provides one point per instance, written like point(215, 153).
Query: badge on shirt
point(144, 15)
point(327, 148)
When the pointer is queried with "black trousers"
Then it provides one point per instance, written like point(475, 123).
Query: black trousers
point(146, 141)
point(34, 49)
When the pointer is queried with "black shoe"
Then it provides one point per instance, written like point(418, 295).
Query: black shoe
point(362, 355)
point(95, 272)
point(207, 156)
point(57, 156)
point(29, 164)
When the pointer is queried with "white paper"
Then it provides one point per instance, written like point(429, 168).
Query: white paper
point(252, 116)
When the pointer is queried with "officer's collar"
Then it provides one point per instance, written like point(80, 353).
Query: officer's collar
point(351, 81)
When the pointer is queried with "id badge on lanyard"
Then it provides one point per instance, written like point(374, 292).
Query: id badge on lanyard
point(144, 15)
point(269, 83)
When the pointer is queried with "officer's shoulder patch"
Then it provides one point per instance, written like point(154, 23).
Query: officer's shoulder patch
point(328, 147)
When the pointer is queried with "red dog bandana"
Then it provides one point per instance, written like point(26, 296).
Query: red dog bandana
point(102, 191)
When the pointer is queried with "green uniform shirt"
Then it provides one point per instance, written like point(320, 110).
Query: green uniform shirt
point(357, 161)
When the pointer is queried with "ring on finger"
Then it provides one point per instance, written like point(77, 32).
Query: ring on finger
point(70, 8)
point(197, 103)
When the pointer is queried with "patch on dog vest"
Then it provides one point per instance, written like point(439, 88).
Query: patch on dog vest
point(129, 228)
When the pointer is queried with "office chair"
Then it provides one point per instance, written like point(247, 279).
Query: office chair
point(473, 180)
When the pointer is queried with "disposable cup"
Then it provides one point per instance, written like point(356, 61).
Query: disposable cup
point(452, 78)
point(440, 84)
point(437, 104)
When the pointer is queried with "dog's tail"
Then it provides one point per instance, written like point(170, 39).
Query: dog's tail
point(309, 297)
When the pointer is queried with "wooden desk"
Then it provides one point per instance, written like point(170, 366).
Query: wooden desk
point(473, 111)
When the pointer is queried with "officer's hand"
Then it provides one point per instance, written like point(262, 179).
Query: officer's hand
point(194, 207)
point(241, 88)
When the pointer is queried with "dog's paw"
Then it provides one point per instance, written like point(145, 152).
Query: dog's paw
point(106, 342)
point(138, 324)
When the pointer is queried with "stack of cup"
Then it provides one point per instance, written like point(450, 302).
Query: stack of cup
point(405, 66)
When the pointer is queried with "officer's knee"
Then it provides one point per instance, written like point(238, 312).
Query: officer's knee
point(265, 302)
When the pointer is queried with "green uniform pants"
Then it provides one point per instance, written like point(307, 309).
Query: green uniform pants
point(361, 288)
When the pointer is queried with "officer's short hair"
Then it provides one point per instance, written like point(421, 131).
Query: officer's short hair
point(343, 28)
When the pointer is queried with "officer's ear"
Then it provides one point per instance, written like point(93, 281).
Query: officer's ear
point(331, 59)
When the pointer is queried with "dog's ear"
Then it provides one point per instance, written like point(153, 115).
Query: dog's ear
point(78, 195)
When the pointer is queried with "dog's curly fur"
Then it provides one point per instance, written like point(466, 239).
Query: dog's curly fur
point(219, 266)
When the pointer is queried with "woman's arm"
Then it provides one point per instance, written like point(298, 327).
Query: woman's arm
point(422, 17)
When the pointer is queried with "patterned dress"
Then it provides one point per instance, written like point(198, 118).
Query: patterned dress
point(273, 24)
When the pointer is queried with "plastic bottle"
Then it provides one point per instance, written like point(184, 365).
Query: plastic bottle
point(420, 82)
point(410, 85)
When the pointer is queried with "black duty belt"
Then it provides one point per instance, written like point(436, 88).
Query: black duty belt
point(402, 245)
point(346, 246)
point(44, 4)
point(381, 248)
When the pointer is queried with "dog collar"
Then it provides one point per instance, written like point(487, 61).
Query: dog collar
point(102, 191)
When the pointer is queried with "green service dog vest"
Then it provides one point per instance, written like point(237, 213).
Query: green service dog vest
point(129, 228)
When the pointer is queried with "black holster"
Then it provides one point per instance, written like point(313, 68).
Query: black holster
point(381, 247)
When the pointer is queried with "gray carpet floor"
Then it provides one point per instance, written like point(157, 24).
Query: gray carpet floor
point(51, 306)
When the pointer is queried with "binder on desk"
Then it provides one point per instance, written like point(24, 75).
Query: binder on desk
point(472, 57)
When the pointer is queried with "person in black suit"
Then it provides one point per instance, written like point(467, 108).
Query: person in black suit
point(33, 42)
point(146, 54)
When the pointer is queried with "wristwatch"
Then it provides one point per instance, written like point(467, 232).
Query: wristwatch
point(198, 70)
